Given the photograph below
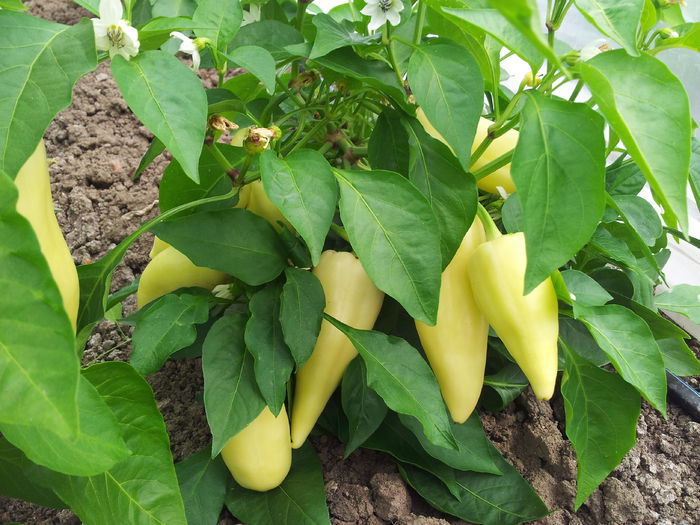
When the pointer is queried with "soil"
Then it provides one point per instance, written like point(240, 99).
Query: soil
point(97, 143)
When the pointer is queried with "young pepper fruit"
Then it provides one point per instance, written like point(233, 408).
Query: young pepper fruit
point(456, 345)
point(259, 456)
point(36, 205)
point(500, 178)
point(352, 298)
point(528, 324)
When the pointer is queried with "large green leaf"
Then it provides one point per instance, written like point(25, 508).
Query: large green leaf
point(203, 483)
point(258, 62)
point(395, 234)
point(400, 375)
point(173, 7)
point(302, 186)
point(299, 500)
point(273, 35)
point(388, 143)
point(601, 420)
point(301, 312)
point(678, 358)
point(684, 299)
point(619, 19)
point(224, 16)
point(166, 327)
point(39, 63)
point(242, 244)
point(332, 35)
point(642, 217)
point(450, 190)
point(37, 347)
point(629, 343)
point(362, 406)
point(169, 99)
point(265, 341)
point(231, 395)
point(648, 108)
point(142, 489)
point(447, 84)
point(559, 170)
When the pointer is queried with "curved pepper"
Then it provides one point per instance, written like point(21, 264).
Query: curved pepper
point(352, 298)
point(260, 456)
point(158, 246)
point(255, 199)
point(527, 324)
point(506, 142)
point(36, 205)
point(456, 345)
point(169, 270)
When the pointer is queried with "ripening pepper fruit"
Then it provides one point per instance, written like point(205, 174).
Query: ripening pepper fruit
point(158, 246)
point(527, 324)
point(169, 270)
point(352, 298)
point(503, 144)
point(254, 198)
point(36, 205)
point(260, 456)
point(456, 345)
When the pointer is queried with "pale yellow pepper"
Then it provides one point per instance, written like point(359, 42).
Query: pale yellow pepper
point(352, 298)
point(36, 205)
point(260, 456)
point(456, 345)
point(253, 198)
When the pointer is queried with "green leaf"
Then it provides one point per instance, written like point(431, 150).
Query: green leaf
point(503, 387)
point(155, 148)
point(576, 337)
point(39, 63)
point(245, 245)
point(142, 489)
point(642, 217)
point(585, 290)
point(203, 482)
point(273, 35)
point(683, 299)
point(302, 186)
point(169, 99)
point(618, 19)
point(491, 21)
point(473, 445)
point(447, 83)
point(332, 35)
point(628, 91)
point(166, 327)
point(299, 500)
point(613, 247)
point(372, 72)
point(257, 61)
point(678, 358)
point(491, 499)
point(629, 343)
point(364, 409)
point(264, 339)
point(626, 179)
point(173, 7)
point(21, 479)
point(450, 190)
point(156, 31)
point(695, 171)
point(400, 375)
point(688, 37)
point(224, 16)
point(301, 312)
point(231, 395)
point(601, 420)
point(16, 5)
point(395, 234)
point(40, 369)
point(551, 160)
point(388, 143)
point(97, 447)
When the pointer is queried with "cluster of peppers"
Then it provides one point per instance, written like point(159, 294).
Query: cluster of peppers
point(483, 285)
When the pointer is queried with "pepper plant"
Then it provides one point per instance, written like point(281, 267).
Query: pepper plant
point(381, 128)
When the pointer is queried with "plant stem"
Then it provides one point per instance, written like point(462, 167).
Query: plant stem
point(386, 40)
point(340, 231)
point(306, 138)
point(420, 21)
point(492, 231)
point(492, 166)
point(220, 158)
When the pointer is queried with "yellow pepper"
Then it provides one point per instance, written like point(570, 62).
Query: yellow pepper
point(169, 270)
point(260, 456)
point(158, 246)
point(253, 198)
point(456, 345)
point(503, 144)
point(36, 205)
point(352, 298)
point(527, 324)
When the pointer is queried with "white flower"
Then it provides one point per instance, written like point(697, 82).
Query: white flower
point(382, 11)
point(594, 48)
point(113, 33)
point(251, 15)
point(189, 47)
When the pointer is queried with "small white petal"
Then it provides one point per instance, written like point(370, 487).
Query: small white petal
point(195, 60)
point(111, 11)
point(393, 17)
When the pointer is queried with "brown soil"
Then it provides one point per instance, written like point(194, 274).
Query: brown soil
point(96, 145)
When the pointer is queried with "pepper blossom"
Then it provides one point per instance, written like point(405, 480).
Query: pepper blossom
point(381, 12)
point(113, 33)
point(189, 47)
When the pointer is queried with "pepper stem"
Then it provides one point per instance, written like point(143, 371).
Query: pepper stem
point(492, 231)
